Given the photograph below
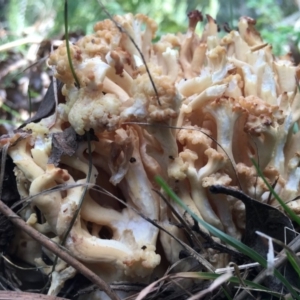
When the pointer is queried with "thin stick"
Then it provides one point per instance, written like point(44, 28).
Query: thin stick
point(122, 30)
point(60, 252)
point(189, 249)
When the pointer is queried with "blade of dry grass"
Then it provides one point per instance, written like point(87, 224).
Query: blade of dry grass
point(150, 288)
point(16, 266)
point(215, 284)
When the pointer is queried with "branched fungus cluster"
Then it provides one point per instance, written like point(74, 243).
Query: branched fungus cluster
point(210, 105)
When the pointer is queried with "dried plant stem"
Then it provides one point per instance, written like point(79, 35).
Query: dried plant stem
point(57, 250)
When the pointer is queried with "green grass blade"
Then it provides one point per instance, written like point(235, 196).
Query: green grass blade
point(216, 232)
point(68, 45)
point(291, 214)
point(287, 284)
point(11, 111)
point(225, 237)
point(226, 294)
point(293, 261)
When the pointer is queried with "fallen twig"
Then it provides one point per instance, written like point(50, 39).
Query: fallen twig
point(4, 295)
point(57, 250)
